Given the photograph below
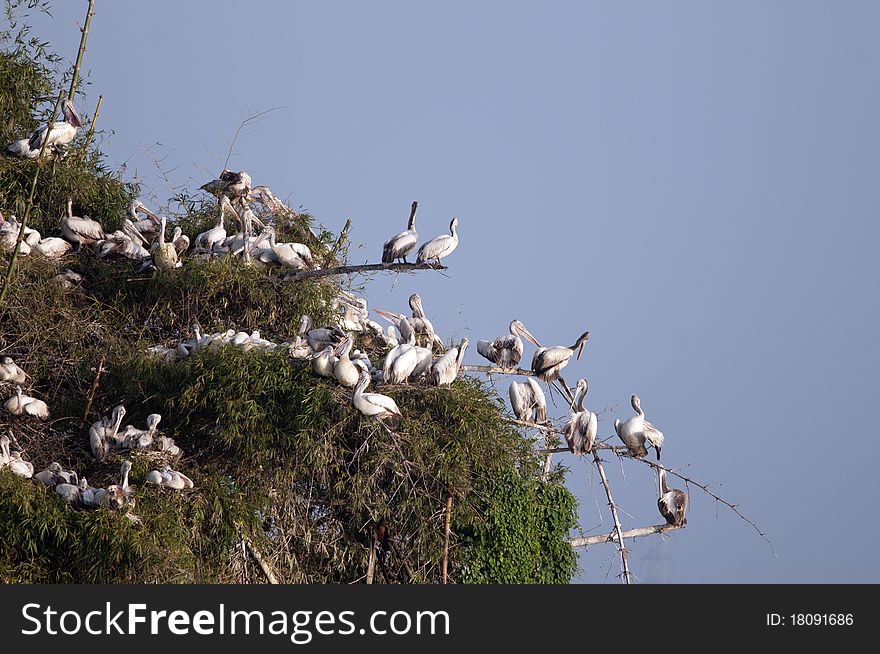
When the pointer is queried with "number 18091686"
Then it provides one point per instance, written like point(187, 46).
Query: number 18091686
point(810, 620)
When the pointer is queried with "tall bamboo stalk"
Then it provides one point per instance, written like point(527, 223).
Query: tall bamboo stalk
point(82, 50)
point(27, 212)
point(91, 131)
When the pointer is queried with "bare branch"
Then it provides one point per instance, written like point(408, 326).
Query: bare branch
point(705, 489)
point(624, 562)
point(495, 370)
point(250, 119)
point(586, 541)
point(367, 267)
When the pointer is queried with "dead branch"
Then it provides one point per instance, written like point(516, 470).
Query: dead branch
point(704, 488)
point(586, 541)
point(366, 267)
point(495, 370)
point(447, 528)
point(264, 565)
point(91, 396)
point(250, 119)
point(627, 577)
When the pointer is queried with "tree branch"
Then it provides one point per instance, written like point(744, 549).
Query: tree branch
point(586, 541)
point(495, 370)
point(367, 267)
point(704, 488)
point(624, 563)
point(82, 50)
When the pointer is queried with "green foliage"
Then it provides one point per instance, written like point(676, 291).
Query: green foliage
point(522, 539)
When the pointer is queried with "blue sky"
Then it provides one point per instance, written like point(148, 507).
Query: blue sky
point(696, 183)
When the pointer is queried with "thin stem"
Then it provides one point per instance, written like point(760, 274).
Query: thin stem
point(82, 50)
point(27, 212)
point(447, 529)
point(91, 131)
point(627, 576)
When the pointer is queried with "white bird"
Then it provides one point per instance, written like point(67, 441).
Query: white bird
point(53, 247)
point(296, 256)
point(439, 247)
point(103, 433)
point(397, 247)
point(140, 439)
point(121, 243)
point(217, 234)
point(424, 357)
point(548, 362)
point(528, 401)
point(345, 371)
point(165, 254)
point(80, 231)
point(117, 496)
point(324, 361)
point(673, 503)
point(583, 425)
point(9, 230)
point(372, 404)
point(72, 492)
point(55, 474)
point(5, 457)
point(146, 228)
point(401, 360)
point(62, 133)
point(444, 370)
point(401, 322)
point(169, 479)
point(19, 466)
point(10, 372)
point(506, 351)
point(19, 405)
point(636, 430)
point(421, 325)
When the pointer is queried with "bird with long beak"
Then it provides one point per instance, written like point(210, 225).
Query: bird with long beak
point(635, 431)
point(673, 503)
point(548, 362)
point(506, 351)
point(57, 139)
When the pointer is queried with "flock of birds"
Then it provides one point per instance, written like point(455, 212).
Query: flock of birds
point(106, 436)
point(417, 354)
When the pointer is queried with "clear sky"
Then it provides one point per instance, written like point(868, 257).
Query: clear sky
point(694, 182)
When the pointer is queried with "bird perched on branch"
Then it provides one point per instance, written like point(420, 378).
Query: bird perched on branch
point(217, 234)
point(528, 401)
point(506, 351)
point(636, 430)
point(444, 370)
point(583, 425)
point(233, 185)
point(673, 503)
point(397, 247)
point(548, 362)
point(439, 247)
point(60, 136)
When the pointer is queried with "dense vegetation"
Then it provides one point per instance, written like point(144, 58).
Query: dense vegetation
point(283, 465)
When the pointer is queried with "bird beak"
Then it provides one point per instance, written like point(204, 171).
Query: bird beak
point(529, 336)
point(580, 351)
point(73, 117)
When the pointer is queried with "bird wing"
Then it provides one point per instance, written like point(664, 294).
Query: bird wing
point(383, 401)
point(547, 358)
